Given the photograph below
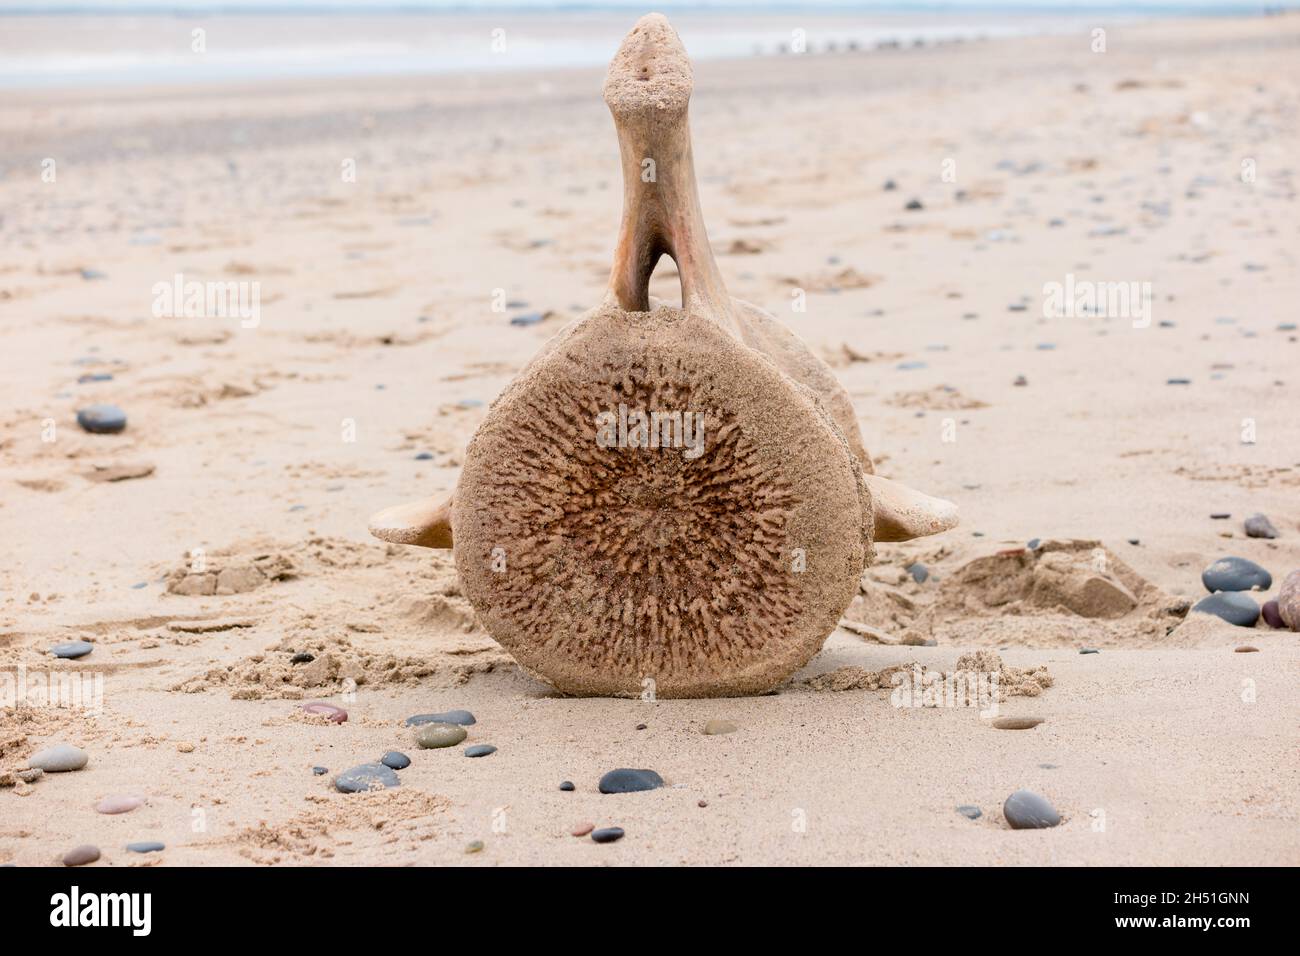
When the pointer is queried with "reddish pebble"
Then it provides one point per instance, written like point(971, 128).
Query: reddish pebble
point(335, 715)
point(80, 856)
point(582, 829)
point(1272, 616)
point(118, 804)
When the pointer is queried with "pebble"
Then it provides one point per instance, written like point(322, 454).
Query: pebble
point(72, 649)
point(474, 846)
point(302, 657)
point(435, 736)
point(480, 750)
point(566, 785)
point(395, 759)
point(630, 781)
point(913, 205)
point(714, 727)
point(80, 856)
point(368, 776)
point(582, 829)
point(102, 419)
point(335, 715)
point(1220, 516)
point(146, 846)
point(424, 456)
point(1288, 601)
point(1235, 574)
point(607, 834)
point(118, 804)
point(463, 717)
point(1232, 606)
point(1033, 544)
point(1017, 723)
point(1247, 649)
point(1258, 526)
point(1026, 810)
point(969, 812)
point(528, 318)
point(1089, 650)
point(1272, 617)
point(919, 572)
point(185, 747)
point(60, 758)
point(320, 771)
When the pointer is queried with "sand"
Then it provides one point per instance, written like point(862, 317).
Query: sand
point(270, 445)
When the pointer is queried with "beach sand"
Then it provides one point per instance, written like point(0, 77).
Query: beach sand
point(377, 340)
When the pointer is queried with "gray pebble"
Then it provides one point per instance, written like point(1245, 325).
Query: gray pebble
point(918, 571)
point(969, 812)
point(630, 781)
point(1258, 526)
point(60, 758)
point(462, 717)
point(146, 846)
point(1026, 810)
point(80, 856)
point(1233, 606)
point(102, 419)
point(395, 759)
point(567, 786)
point(72, 649)
point(368, 776)
point(480, 750)
point(1235, 574)
point(607, 834)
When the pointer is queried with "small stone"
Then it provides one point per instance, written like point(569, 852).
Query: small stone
point(1220, 515)
point(913, 205)
point(528, 318)
point(607, 834)
point(1232, 606)
point(582, 829)
point(1020, 381)
point(368, 776)
point(702, 804)
point(185, 747)
point(320, 771)
point(1017, 723)
point(396, 760)
point(462, 717)
point(630, 781)
point(480, 750)
point(102, 419)
point(714, 727)
point(969, 812)
point(302, 657)
point(1235, 574)
point(72, 649)
point(474, 846)
point(80, 856)
point(567, 786)
point(119, 804)
point(31, 775)
point(436, 736)
point(60, 758)
point(1033, 544)
point(919, 572)
point(1272, 616)
point(424, 456)
point(640, 726)
point(1026, 810)
point(146, 846)
point(1089, 650)
point(1258, 526)
point(335, 715)
point(1288, 601)
point(1247, 649)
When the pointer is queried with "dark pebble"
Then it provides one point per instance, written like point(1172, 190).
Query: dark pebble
point(1272, 617)
point(607, 834)
point(462, 717)
point(1247, 649)
point(480, 750)
point(320, 771)
point(567, 785)
point(1220, 515)
point(368, 776)
point(890, 185)
point(396, 760)
point(80, 856)
point(1089, 650)
point(1258, 526)
point(640, 726)
point(1033, 544)
point(918, 571)
point(72, 649)
point(1179, 381)
point(90, 377)
point(146, 846)
point(1026, 810)
point(302, 657)
point(1235, 574)
point(1233, 606)
point(102, 419)
point(528, 318)
point(424, 456)
point(630, 781)
point(969, 812)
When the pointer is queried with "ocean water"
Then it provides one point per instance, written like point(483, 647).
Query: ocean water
point(101, 43)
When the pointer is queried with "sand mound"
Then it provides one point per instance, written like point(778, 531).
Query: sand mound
point(1012, 681)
